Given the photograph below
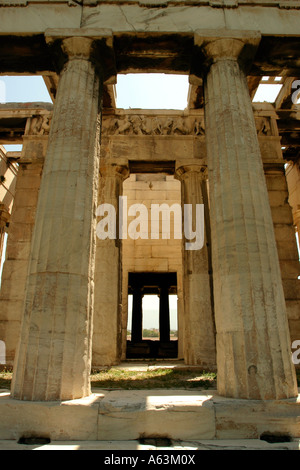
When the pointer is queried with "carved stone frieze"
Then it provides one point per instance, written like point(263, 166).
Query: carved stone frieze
point(39, 125)
point(263, 126)
point(152, 125)
point(140, 124)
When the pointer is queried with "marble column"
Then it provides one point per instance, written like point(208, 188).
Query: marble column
point(164, 314)
point(53, 360)
point(137, 315)
point(253, 342)
point(21, 226)
point(107, 329)
point(199, 342)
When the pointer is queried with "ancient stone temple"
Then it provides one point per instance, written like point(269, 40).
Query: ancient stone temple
point(82, 207)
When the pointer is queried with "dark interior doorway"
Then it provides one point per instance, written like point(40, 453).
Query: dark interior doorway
point(162, 285)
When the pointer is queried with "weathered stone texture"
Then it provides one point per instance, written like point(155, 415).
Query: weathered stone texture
point(107, 323)
point(54, 355)
point(251, 321)
point(199, 344)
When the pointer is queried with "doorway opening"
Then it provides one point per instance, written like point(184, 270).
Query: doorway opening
point(152, 316)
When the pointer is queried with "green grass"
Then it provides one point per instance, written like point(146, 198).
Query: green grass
point(5, 378)
point(141, 380)
point(151, 379)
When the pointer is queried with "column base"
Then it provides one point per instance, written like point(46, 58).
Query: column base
point(132, 414)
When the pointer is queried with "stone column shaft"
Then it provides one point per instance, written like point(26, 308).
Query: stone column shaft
point(107, 330)
point(54, 356)
point(137, 316)
point(164, 315)
point(199, 343)
point(17, 254)
point(253, 343)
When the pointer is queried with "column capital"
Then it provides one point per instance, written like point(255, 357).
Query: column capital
point(183, 170)
point(227, 45)
point(95, 45)
point(77, 47)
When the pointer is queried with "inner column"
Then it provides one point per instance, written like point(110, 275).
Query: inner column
point(137, 315)
point(54, 355)
point(199, 343)
point(253, 343)
point(107, 325)
point(164, 314)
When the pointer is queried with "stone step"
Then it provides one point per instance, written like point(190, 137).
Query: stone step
point(122, 415)
point(133, 446)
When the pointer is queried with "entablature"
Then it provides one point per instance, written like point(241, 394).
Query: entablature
point(161, 3)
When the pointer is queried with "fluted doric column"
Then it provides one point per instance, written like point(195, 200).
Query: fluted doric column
point(253, 343)
point(199, 338)
point(164, 314)
point(21, 226)
point(54, 355)
point(137, 314)
point(107, 328)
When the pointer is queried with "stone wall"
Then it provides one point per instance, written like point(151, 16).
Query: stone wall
point(146, 254)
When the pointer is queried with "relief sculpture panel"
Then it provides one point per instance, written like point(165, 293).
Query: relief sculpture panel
point(152, 125)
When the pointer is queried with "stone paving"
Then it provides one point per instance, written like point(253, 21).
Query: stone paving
point(243, 444)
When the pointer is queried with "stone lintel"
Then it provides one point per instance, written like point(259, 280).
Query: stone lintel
point(100, 34)
point(13, 110)
point(205, 36)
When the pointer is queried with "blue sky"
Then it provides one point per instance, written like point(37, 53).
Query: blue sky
point(25, 89)
point(149, 91)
